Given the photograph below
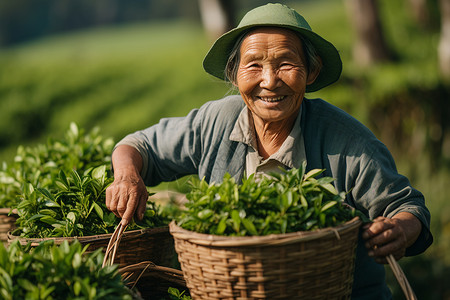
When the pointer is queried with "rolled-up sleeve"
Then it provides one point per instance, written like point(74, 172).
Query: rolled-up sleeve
point(380, 190)
point(169, 149)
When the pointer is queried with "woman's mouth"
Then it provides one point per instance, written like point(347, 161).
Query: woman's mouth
point(272, 99)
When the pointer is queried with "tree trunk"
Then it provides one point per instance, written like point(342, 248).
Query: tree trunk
point(217, 16)
point(420, 12)
point(370, 46)
point(444, 42)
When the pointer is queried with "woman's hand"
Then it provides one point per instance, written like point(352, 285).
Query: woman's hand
point(127, 195)
point(391, 236)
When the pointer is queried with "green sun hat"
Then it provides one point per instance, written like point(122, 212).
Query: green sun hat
point(276, 15)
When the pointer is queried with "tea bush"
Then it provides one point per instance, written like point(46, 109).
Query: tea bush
point(39, 165)
point(58, 272)
point(74, 205)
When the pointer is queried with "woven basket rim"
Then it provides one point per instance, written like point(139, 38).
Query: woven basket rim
point(132, 234)
point(150, 266)
point(6, 211)
point(266, 240)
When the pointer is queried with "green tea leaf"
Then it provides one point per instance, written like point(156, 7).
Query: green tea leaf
point(36, 216)
point(76, 288)
point(61, 185)
point(48, 212)
point(76, 261)
point(46, 193)
point(99, 173)
point(205, 214)
point(3, 255)
point(63, 179)
point(330, 188)
point(328, 206)
point(6, 281)
point(24, 204)
point(45, 292)
point(175, 292)
point(26, 284)
point(221, 226)
point(98, 210)
point(50, 203)
point(48, 220)
point(236, 220)
point(283, 226)
point(249, 226)
point(313, 173)
point(71, 216)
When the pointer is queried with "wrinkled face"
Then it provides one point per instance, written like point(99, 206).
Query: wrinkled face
point(272, 74)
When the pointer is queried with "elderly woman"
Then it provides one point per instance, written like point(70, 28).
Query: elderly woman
point(273, 57)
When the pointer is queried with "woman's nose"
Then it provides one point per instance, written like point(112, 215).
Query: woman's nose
point(269, 79)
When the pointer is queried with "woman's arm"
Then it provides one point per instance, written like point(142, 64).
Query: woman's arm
point(127, 195)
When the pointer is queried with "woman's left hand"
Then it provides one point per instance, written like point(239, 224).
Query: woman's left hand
point(386, 236)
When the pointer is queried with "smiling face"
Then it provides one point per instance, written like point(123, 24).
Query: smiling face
point(272, 74)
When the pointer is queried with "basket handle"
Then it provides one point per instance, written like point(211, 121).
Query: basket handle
point(113, 244)
point(401, 278)
point(128, 277)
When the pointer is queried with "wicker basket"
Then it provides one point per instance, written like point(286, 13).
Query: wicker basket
point(149, 280)
point(154, 244)
point(302, 265)
point(152, 281)
point(8, 219)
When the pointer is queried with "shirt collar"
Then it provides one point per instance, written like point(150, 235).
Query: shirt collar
point(291, 152)
point(243, 130)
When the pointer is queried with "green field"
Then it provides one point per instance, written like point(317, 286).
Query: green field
point(120, 79)
point(125, 78)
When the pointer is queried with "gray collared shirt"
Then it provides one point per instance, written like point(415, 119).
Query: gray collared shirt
point(291, 153)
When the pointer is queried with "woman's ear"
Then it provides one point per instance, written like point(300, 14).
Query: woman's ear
point(312, 75)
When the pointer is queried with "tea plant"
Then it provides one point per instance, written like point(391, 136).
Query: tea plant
point(52, 272)
point(280, 203)
point(73, 205)
point(10, 186)
point(39, 165)
point(175, 294)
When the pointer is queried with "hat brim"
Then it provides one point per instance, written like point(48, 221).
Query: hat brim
point(216, 59)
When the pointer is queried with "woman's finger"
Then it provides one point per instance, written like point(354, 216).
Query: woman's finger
point(112, 199)
point(127, 206)
point(142, 206)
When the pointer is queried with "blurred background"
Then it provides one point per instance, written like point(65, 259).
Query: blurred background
point(121, 65)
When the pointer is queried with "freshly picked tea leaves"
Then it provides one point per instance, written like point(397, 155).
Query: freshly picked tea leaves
point(279, 203)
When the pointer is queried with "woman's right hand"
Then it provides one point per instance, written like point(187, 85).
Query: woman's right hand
point(127, 196)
